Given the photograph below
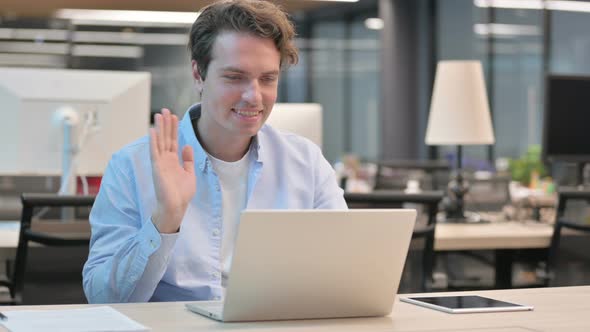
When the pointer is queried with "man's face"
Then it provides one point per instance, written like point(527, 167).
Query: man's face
point(240, 87)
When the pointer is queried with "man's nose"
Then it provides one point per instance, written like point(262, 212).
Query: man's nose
point(252, 93)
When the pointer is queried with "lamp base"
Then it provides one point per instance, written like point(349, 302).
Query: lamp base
point(468, 218)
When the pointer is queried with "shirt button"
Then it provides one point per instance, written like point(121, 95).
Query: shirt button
point(216, 275)
point(216, 232)
point(216, 298)
point(153, 244)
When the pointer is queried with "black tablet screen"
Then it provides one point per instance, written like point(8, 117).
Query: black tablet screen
point(464, 302)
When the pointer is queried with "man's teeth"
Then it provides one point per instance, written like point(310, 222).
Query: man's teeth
point(247, 113)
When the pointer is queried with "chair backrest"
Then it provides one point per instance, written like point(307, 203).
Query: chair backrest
point(12, 186)
point(394, 174)
point(488, 194)
point(561, 224)
point(46, 233)
point(395, 199)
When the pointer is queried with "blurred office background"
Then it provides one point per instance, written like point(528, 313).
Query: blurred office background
point(369, 63)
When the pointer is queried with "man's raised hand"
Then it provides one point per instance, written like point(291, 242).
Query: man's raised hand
point(174, 182)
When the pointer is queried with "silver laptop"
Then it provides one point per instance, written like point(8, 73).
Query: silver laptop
point(305, 264)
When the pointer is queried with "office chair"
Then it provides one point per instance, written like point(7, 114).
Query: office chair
point(423, 235)
point(469, 270)
point(45, 233)
point(488, 194)
point(11, 187)
point(394, 174)
point(555, 261)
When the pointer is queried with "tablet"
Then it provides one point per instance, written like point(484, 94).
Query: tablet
point(465, 304)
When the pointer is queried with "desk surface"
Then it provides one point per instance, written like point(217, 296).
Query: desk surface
point(496, 235)
point(9, 231)
point(556, 309)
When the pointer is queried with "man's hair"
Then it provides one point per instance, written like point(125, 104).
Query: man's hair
point(257, 17)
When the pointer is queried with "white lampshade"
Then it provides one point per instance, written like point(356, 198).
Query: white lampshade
point(459, 110)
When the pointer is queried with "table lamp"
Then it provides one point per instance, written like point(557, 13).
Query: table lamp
point(459, 115)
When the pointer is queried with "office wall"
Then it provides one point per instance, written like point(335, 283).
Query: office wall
point(344, 76)
point(570, 43)
point(364, 77)
point(329, 74)
point(345, 80)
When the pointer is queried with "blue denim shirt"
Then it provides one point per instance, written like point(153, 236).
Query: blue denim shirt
point(130, 261)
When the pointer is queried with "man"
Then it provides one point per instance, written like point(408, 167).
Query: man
point(165, 220)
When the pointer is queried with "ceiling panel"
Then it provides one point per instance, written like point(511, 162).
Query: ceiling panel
point(44, 8)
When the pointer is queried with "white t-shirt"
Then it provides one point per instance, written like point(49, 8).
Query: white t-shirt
point(233, 178)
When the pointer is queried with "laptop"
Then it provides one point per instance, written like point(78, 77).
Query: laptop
point(307, 264)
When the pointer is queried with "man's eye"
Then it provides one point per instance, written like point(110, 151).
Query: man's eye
point(269, 79)
point(233, 77)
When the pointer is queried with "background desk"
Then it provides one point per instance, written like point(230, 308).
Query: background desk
point(9, 231)
point(556, 309)
point(502, 237)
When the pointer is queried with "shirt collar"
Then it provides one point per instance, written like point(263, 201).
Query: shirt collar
point(188, 129)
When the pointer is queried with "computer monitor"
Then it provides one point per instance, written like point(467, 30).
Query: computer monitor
point(566, 134)
point(304, 119)
point(112, 109)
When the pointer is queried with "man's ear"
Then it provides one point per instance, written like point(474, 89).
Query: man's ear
point(197, 75)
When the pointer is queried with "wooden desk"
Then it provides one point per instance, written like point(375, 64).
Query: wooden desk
point(556, 309)
point(500, 235)
point(9, 231)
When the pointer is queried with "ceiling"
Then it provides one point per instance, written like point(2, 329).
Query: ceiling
point(44, 8)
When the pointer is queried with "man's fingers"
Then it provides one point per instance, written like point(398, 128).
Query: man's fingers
point(166, 128)
point(188, 159)
point(159, 139)
point(153, 144)
point(174, 134)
